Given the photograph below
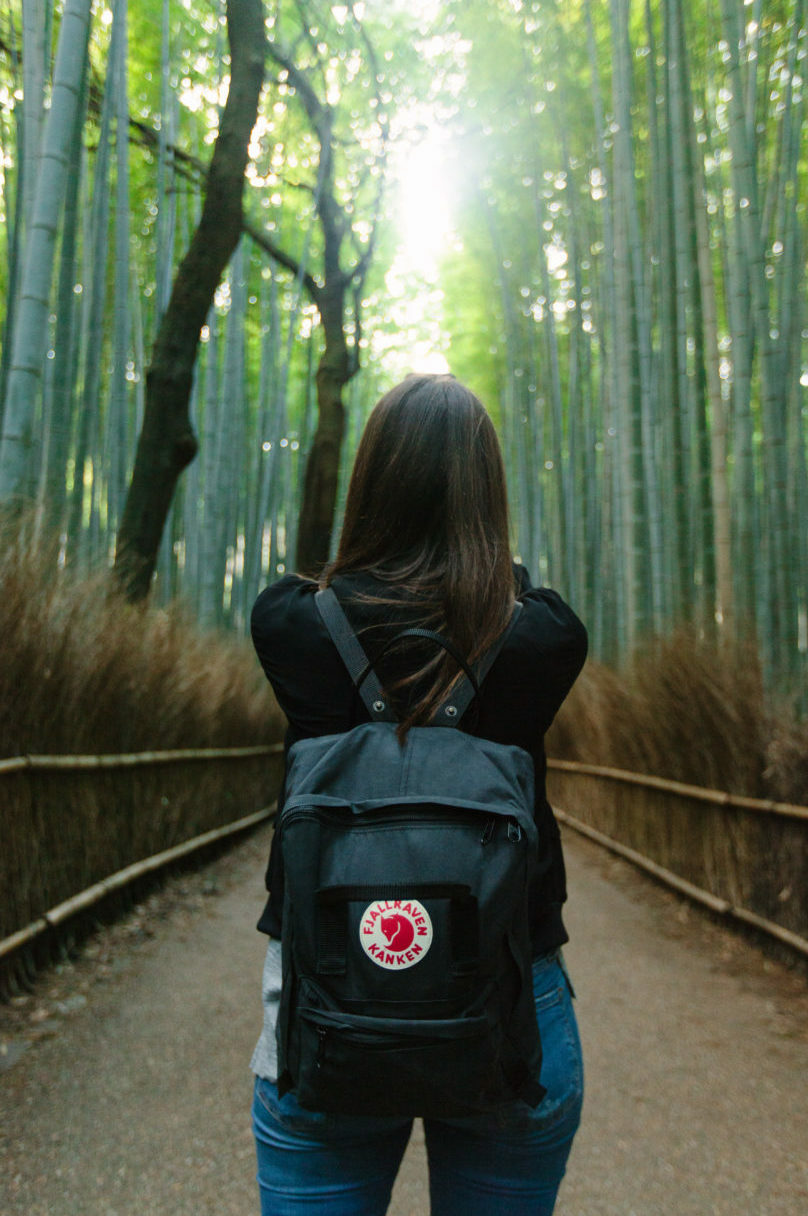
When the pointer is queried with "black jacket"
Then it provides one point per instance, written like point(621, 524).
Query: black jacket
point(533, 673)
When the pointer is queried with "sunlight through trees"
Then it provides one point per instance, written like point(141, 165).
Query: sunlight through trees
point(595, 214)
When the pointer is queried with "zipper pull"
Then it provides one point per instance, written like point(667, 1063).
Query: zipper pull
point(488, 831)
point(321, 1035)
point(514, 832)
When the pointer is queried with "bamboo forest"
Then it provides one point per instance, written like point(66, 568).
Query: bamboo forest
point(229, 227)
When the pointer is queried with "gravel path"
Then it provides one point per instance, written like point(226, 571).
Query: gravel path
point(124, 1088)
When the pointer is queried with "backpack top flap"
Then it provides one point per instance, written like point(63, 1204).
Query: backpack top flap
point(431, 766)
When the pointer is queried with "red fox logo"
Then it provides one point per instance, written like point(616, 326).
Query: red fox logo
point(395, 933)
point(399, 932)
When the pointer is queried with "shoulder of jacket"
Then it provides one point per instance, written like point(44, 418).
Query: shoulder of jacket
point(548, 619)
point(283, 603)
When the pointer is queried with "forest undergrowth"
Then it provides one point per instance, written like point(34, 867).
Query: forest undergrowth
point(690, 710)
point(694, 712)
point(82, 672)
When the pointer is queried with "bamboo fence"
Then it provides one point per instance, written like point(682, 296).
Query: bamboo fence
point(92, 895)
point(743, 858)
point(98, 824)
point(64, 764)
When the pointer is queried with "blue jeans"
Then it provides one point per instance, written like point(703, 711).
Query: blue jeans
point(509, 1163)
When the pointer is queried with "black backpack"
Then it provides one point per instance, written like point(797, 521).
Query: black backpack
point(406, 952)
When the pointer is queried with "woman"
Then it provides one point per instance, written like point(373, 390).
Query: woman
point(425, 543)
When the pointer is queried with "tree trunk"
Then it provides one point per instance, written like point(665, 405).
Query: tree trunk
point(167, 442)
point(334, 371)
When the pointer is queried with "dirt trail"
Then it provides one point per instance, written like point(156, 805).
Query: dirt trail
point(124, 1088)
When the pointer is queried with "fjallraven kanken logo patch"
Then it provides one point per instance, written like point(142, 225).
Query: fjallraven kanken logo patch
point(395, 933)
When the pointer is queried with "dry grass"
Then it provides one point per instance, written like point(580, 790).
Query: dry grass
point(82, 672)
point(786, 772)
point(685, 710)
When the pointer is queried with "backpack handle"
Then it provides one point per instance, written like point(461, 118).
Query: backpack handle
point(367, 683)
point(452, 708)
point(454, 705)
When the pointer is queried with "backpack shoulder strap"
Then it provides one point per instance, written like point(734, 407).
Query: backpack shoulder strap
point(353, 656)
point(451, 710)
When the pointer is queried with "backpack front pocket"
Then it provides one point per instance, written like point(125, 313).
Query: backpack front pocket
point(392, 1062)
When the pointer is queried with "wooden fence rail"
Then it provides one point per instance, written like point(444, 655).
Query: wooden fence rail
point(77, 829)
point(149, 865)
point(764, 806)
point(645, 830)
point(63, 764)
point(744, 858)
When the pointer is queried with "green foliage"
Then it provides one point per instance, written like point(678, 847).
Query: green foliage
point(570, 293)
point(571, 260)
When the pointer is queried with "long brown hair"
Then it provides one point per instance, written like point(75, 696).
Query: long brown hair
point(427, 513)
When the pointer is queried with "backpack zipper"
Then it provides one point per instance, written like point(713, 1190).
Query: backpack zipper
point(322, 1034)
point(471, 817)
point(514, 829)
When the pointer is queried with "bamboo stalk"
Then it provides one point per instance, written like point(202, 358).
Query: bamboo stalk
point(116, 457)
point(765, 806)
point(134, 759)
point(43, 212)
point(714, 902)
point(85, 899)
